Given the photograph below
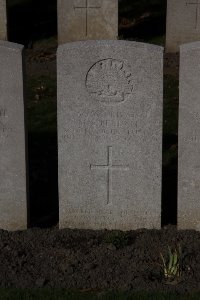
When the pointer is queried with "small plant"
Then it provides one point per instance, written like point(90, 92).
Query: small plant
point(118, 238)
point(172, 265)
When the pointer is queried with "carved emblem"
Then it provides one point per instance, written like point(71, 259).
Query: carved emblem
point(110, 81)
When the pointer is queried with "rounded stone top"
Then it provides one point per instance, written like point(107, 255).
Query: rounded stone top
point(11, 46)
point(110, 43)
point(190, 46)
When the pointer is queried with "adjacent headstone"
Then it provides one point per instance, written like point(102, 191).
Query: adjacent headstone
point(3, 20)
point(13, 200)
point(183, 23)
point(110, 134)
point(189, 138)
point(87, 20)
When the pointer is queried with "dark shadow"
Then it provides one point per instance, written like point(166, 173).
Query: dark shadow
point(31, 20)
point(43, 179)
point(147, 28)
point(141, 19)
point(170, 139)
point(169, 185)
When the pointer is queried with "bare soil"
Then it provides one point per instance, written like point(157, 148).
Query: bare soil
point(97, 260)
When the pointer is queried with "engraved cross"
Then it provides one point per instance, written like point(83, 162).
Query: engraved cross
point(87, 7)
point(197, 3)
point(109, 167)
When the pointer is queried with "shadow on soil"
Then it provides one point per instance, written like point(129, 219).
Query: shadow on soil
point(169, 185)
point(43, 180)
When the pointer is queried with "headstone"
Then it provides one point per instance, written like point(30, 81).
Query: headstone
point(13, 200)
point(110, 134)
point(189, 138)
point(183, 23)
point(87, 20)
point(3, 20)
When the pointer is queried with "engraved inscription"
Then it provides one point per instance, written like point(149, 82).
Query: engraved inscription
point(195, 135)
point(86, 8)
point(109, 124)
point(105, 217)
point(2, 112)
point(109, 167)
point(102, 125)
point(109, 212)
point(3, 127)
point(197, 8)
point(110, 81)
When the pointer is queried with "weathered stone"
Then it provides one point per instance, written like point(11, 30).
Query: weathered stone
point(3, 20)
point(13, 200)
point(189, 138)
point(110, 134)
point(183, 23)
point(87, 20)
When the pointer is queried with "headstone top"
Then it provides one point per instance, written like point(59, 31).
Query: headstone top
point(11, 46)
point(87, 20)
point(196, 5)
point(190, 46)
point(183, 23)
point(109, 43)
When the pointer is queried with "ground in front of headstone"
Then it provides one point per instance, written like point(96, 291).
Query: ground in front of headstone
point(98, 260)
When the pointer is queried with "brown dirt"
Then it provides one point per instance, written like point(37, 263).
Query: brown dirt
point(97, 260)
point(171, 64)
point(41, 61)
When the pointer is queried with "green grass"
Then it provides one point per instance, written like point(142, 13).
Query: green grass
point(65, 295)
point(17, 2)
point(157, 40)
point(50, 42)
point(117, 238)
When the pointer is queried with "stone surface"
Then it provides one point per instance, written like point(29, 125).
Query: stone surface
point(189, 138)
point(183, 23)
point(3, 20)
point(87, 20)
point(13, 200)
point(110, 134)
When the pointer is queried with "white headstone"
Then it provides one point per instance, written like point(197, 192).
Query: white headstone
point(13, 198)
point(110, 134)
point(3, 20)
point(183, 23)
point(189, 138)
point(87, 20)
